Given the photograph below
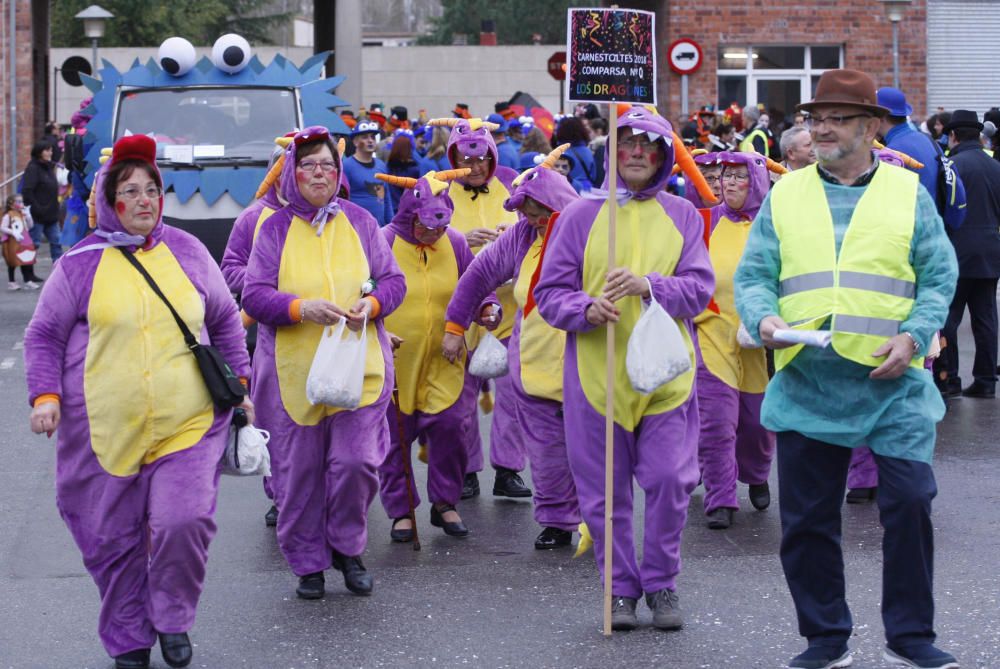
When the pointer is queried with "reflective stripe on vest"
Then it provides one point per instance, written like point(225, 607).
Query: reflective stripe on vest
point(869, 289)
point(746, 146)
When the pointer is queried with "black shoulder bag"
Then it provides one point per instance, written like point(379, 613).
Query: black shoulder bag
point(223, 385)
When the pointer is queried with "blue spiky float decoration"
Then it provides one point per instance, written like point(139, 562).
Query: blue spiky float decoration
point(231, 64)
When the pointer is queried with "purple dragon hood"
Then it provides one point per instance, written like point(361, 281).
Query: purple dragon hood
point(643, 120)
point(289, 188)
point(109, 226)
point(690, 192)
point(544, 185)
point(472, 138)
point(425, 200)
point(760, 183)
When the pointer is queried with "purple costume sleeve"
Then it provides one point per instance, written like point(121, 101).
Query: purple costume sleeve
point(237, 254)
point(688, 291)
point(261, 298)
point(559, 293)
point(48, 333)
point(390, 284)
point(494, 266)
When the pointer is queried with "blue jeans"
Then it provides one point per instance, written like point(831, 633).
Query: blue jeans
point(51, 231)
point(812, 476)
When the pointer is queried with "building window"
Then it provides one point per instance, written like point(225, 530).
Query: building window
point(778, 76)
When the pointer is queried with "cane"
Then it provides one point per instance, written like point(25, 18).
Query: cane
point(404, 453)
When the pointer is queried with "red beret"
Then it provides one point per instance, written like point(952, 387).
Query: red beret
point(135, 147)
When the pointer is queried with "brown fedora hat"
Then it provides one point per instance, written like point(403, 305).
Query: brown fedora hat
point(845, 87)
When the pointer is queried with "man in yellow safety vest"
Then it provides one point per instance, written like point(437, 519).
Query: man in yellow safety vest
point(852, 253)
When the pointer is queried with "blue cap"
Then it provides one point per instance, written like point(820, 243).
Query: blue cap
point(893, 100)
point(366, 128)
point(499, 120)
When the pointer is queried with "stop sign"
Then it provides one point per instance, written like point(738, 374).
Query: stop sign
point(557, 65)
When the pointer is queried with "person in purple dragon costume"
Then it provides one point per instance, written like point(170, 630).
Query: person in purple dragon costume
point(308, 269)
point(479, 214)
point(661, 255)
point(535, 350)
point(139, 439)
point(731, 378)
point(437, 395)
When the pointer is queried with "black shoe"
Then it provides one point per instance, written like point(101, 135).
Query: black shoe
point(134, 659)
point(176, 649)
point(760, 495)
point(720, 519)
point(271, 517)
point(925, 656)
point(553, 537)
point(623, 613)
point(311, 586)
point(980, 390)
point(451, 529)
point(508, 483)
point(470, 486)
point(950, 388)
point(861, 495)
point(401, 536)
point(822, 657)
point(666, 608)
point(356, 577)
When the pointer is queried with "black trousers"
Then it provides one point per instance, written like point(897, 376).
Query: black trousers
point(812, 476)
point(980, 296)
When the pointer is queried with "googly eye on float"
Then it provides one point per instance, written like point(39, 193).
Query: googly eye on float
point(176, 56)
point(231, 53)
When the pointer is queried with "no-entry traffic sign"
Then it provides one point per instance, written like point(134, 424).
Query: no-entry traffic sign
point(685, 56)
point(557, 65)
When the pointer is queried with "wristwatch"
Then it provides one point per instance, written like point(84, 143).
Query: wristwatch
point(916, 346)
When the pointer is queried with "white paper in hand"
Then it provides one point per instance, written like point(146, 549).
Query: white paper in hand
point(490, 359)
point(337, 375)
point(817, 338)
point(656, 351)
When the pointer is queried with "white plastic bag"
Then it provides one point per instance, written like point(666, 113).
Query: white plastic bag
point(745, 339)
point(337, 375)
point(246, 452)
point(490, 359)
point(656, 351)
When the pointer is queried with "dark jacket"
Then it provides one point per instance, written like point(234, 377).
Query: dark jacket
point(977, 242)
point(40, 191)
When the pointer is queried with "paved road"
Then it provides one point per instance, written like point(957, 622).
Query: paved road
point(491, 600)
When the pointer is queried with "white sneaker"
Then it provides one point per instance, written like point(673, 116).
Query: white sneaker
point(13, 285)
point(31, 285)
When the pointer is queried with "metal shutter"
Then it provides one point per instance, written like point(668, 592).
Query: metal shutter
point(963, 54)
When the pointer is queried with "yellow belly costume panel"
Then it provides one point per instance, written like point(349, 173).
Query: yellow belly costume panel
point(542, 347)
point(145, 395)
point(332, 267)
point(647, 241)
point(427, 382)
point(742, 368)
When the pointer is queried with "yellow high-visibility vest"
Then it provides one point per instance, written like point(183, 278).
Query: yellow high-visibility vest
point(870, 288)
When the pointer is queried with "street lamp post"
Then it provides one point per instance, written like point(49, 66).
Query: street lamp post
point(894, 12)
point(93, 18)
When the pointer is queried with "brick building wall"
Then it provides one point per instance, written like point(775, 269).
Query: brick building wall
point(30, 113)
point(860, 26)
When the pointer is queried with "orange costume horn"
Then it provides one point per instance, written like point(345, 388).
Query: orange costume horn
point(402, 182)
point(554, 155)
point(908, 160)
point(449, 175)
point(775, 167)
point(274, 173)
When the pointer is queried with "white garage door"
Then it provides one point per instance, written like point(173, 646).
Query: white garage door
point(963, 54)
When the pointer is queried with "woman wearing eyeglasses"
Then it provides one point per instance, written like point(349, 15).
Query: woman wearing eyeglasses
point(731, 379)
point(307, 271)
point(139, 440)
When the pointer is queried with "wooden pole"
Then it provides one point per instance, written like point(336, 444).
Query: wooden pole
point(609, 405)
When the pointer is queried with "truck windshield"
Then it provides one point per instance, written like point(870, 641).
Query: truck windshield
point(222, 122)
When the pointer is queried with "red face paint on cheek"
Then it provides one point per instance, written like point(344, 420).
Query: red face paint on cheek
point(655, 158)
point(120, 208)
point(302, 177)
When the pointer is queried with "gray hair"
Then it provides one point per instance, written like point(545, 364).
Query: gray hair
point(750, 116)
point(789, 136)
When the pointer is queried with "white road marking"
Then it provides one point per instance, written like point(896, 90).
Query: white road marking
point(19, 345)
point(7, 363)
